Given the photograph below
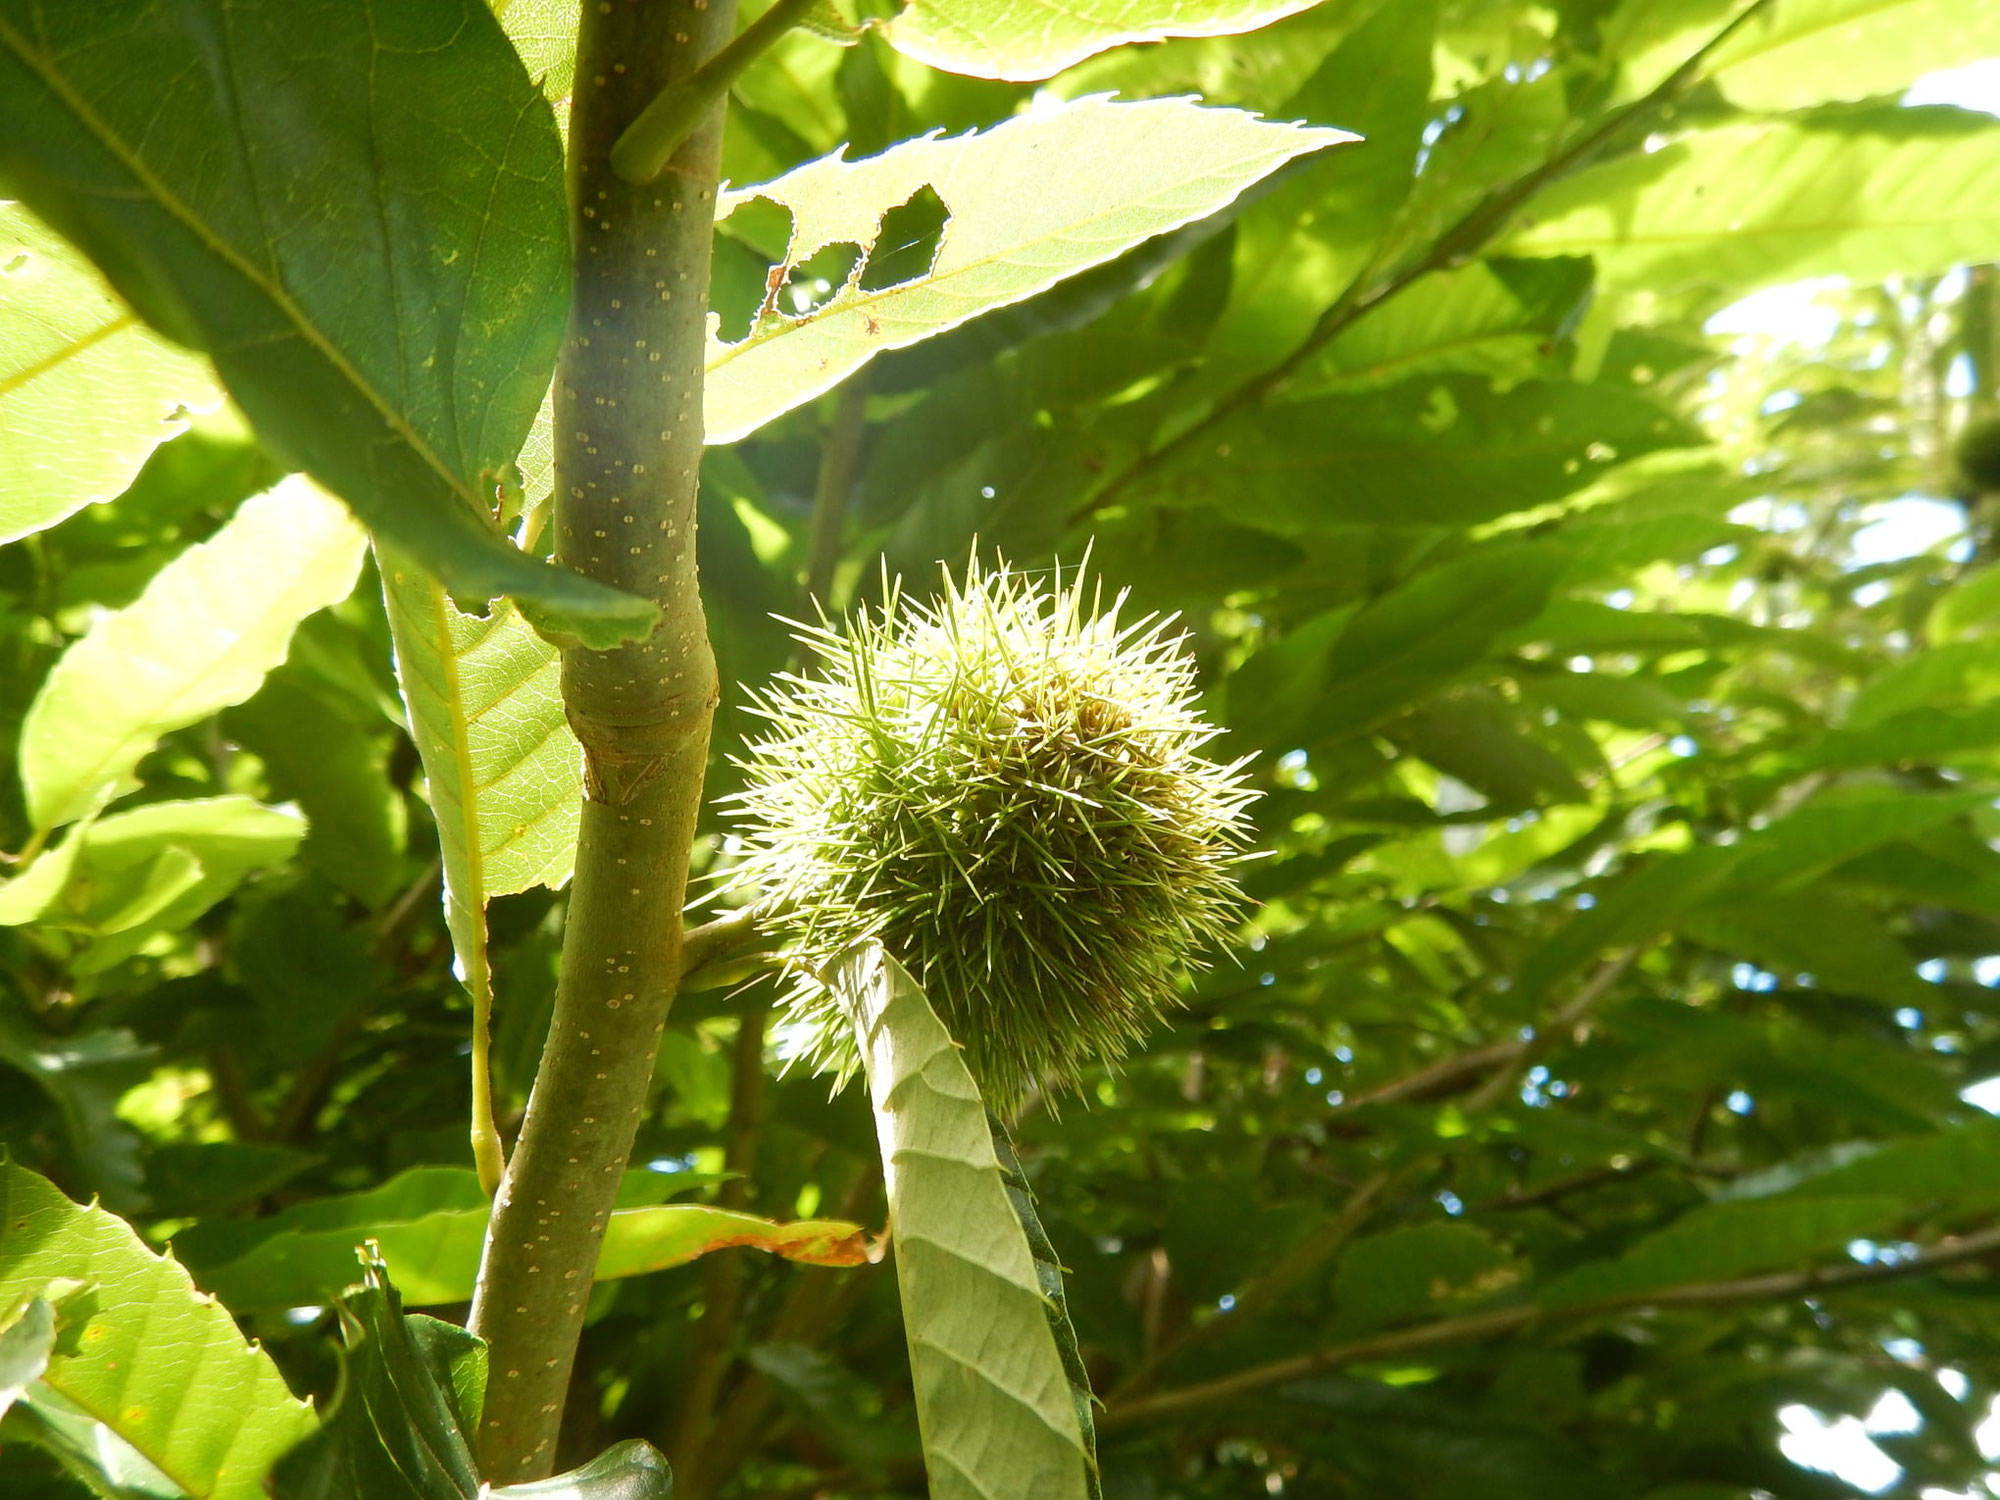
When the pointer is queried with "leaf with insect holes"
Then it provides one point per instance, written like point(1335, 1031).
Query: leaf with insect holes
point(1029, 204)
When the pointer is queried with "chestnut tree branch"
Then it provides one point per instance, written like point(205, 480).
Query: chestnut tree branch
point(1773, 1286)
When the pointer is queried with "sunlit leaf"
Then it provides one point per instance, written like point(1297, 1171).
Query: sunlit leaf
point(1026, 208)
point(1029, 39)
point(1867, 195)
point(434, 1254)
point(1804, 51)
point(87, 391)
point(202, 636)
point(156, 1362)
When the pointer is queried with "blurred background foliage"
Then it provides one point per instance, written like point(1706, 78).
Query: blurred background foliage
point(1591, 1106)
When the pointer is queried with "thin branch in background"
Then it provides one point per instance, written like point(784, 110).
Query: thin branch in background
point(1494, 1068)
point(722, 1275)
point(1473, 1327)
point(1456, 245)
point(1268, 1289)
point(1552, 1033)
point(839, 467)
point(818, 1302)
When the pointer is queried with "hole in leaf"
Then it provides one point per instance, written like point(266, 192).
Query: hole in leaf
point(748, 244)
point(814, 280)
point(907, 247)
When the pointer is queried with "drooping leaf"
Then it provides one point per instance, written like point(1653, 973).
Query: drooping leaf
point(87, 391)
point(434, 1256)
point(1023, 40)
point(1866, 195)
point(378, 264)
point(156, 1363)
point(1049, 1272)
point(202, 636)
point(993, 1400)
point(1026, 209)
point(503, 769)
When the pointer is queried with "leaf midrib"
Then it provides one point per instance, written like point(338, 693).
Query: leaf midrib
point(21, 379)
point(302, 328)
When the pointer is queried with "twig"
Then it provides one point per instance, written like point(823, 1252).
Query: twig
point(722, 1275)
point(641, 153)
point(1476, 1326)
point(1457, 244)
point(1562, 1024)
point(715, 942)
point(1494, 1066)
point(839, 465)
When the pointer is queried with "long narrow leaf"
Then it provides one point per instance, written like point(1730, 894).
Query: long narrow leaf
point(993, 1399)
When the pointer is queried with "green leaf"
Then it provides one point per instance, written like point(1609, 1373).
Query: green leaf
point(1839, 942)
point(1447, 450)
point(1726, 1239)
point(1476, 735)
point(434, 1255)
point(1178, 162)
point(396, 1431)
point(202, 636)
point(1949, 1167)
point(27, 1338)
point(836, 1403)
point(1025, 40)
point(1425, 1269)
point(1805, 51)
point(86, 1075)
point(993, 1400)
point(503, 769)
point(157, 1363)
point(156, 868)
point(92, 1454)
point(1891, 192)
point(1398, 648)
point(1049, 1273)
point(87, 391)
point(1470, 321)
point(378, 265)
